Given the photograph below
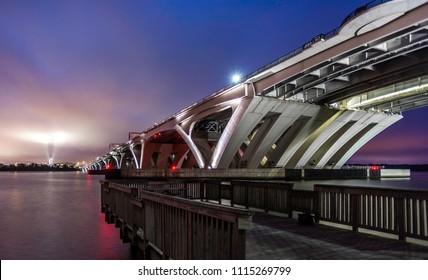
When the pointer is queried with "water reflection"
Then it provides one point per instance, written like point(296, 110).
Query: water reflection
point(55, 216)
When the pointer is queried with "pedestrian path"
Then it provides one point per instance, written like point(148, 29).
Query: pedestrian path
point(275, 237)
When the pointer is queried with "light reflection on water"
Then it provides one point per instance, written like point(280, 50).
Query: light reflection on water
point(55, 216)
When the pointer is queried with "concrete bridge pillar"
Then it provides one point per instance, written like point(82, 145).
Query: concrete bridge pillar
point(137, 153)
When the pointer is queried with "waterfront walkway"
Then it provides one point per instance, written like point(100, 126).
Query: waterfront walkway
point(275, 237)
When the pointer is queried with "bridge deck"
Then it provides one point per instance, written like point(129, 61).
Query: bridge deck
point(273, 237)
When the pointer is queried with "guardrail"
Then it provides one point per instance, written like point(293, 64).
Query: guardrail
point(196, 173)
point(400, 212)
point(173, 227)
point(269, 196)
point(249, 174)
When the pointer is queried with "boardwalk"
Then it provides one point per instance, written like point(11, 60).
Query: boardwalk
point(274, 237)
point(200, 227)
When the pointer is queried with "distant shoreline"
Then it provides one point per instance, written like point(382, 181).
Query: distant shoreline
point(24, 171)
point(412, 167)
point(46, 168)
point(41, 169)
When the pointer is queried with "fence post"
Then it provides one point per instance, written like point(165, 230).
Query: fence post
point(237, 250)
point(316, 205)
point(134, 192)
point(333, 212)
point(231, 194)
point(400, 218)
point(189, 235)
point(266, 194)
point(202, 187)
point(355, 211)
point(289, 201)
point(247, 193)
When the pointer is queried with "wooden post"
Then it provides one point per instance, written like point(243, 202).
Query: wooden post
point(202, 189)
point(266, 194)
point(231, 194)
point(316, 206)
point(355, 211)
point(333, 212)
point(134, 241)
point(125, 233)
point(189, 230)
point(185, 191)
point(400, 212)
point(237, 251)
point(247, 193)
point(107, 214)
point(134, 192)
point(220, 189)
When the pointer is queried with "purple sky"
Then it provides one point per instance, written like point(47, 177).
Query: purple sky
point(96, 70)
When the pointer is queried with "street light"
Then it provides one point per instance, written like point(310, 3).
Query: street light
point(236, 77)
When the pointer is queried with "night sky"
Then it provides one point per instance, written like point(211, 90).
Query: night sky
point(90, 72)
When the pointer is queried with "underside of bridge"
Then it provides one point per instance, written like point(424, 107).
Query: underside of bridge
point(270, 133)
point(312, 108)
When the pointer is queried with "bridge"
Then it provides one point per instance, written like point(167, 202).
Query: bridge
point(313, 108)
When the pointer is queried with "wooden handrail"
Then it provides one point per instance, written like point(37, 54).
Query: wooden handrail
point(400, 212)
point(179, 228)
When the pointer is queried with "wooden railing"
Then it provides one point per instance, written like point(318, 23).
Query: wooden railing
point(303, 201)
point(176, 227)
point(196, 173)
point(186, 189)
point(249, 174)
point(400, 212)
point(270, 196)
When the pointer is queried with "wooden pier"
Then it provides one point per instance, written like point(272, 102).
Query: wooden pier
point(165, 226)
point(210, 219)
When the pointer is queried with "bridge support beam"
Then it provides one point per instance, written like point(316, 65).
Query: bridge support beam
point(278, 133)
point(192, 146)
point(359, 141)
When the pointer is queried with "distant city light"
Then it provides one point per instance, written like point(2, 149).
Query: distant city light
point(51, 140)
point(236, 77)
point(46, 138)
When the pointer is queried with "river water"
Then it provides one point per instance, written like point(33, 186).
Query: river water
point(417, 181)
point(56, 215)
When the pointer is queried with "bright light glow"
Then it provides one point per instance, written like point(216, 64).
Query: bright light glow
point(40, 138)
point(236, 77)
point(49, 138)
point(59, 137)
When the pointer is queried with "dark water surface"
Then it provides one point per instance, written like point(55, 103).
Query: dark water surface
point(417, 181)
point(57, 215)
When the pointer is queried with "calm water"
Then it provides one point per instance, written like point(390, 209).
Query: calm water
point(57, 215)
point(418, 181)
